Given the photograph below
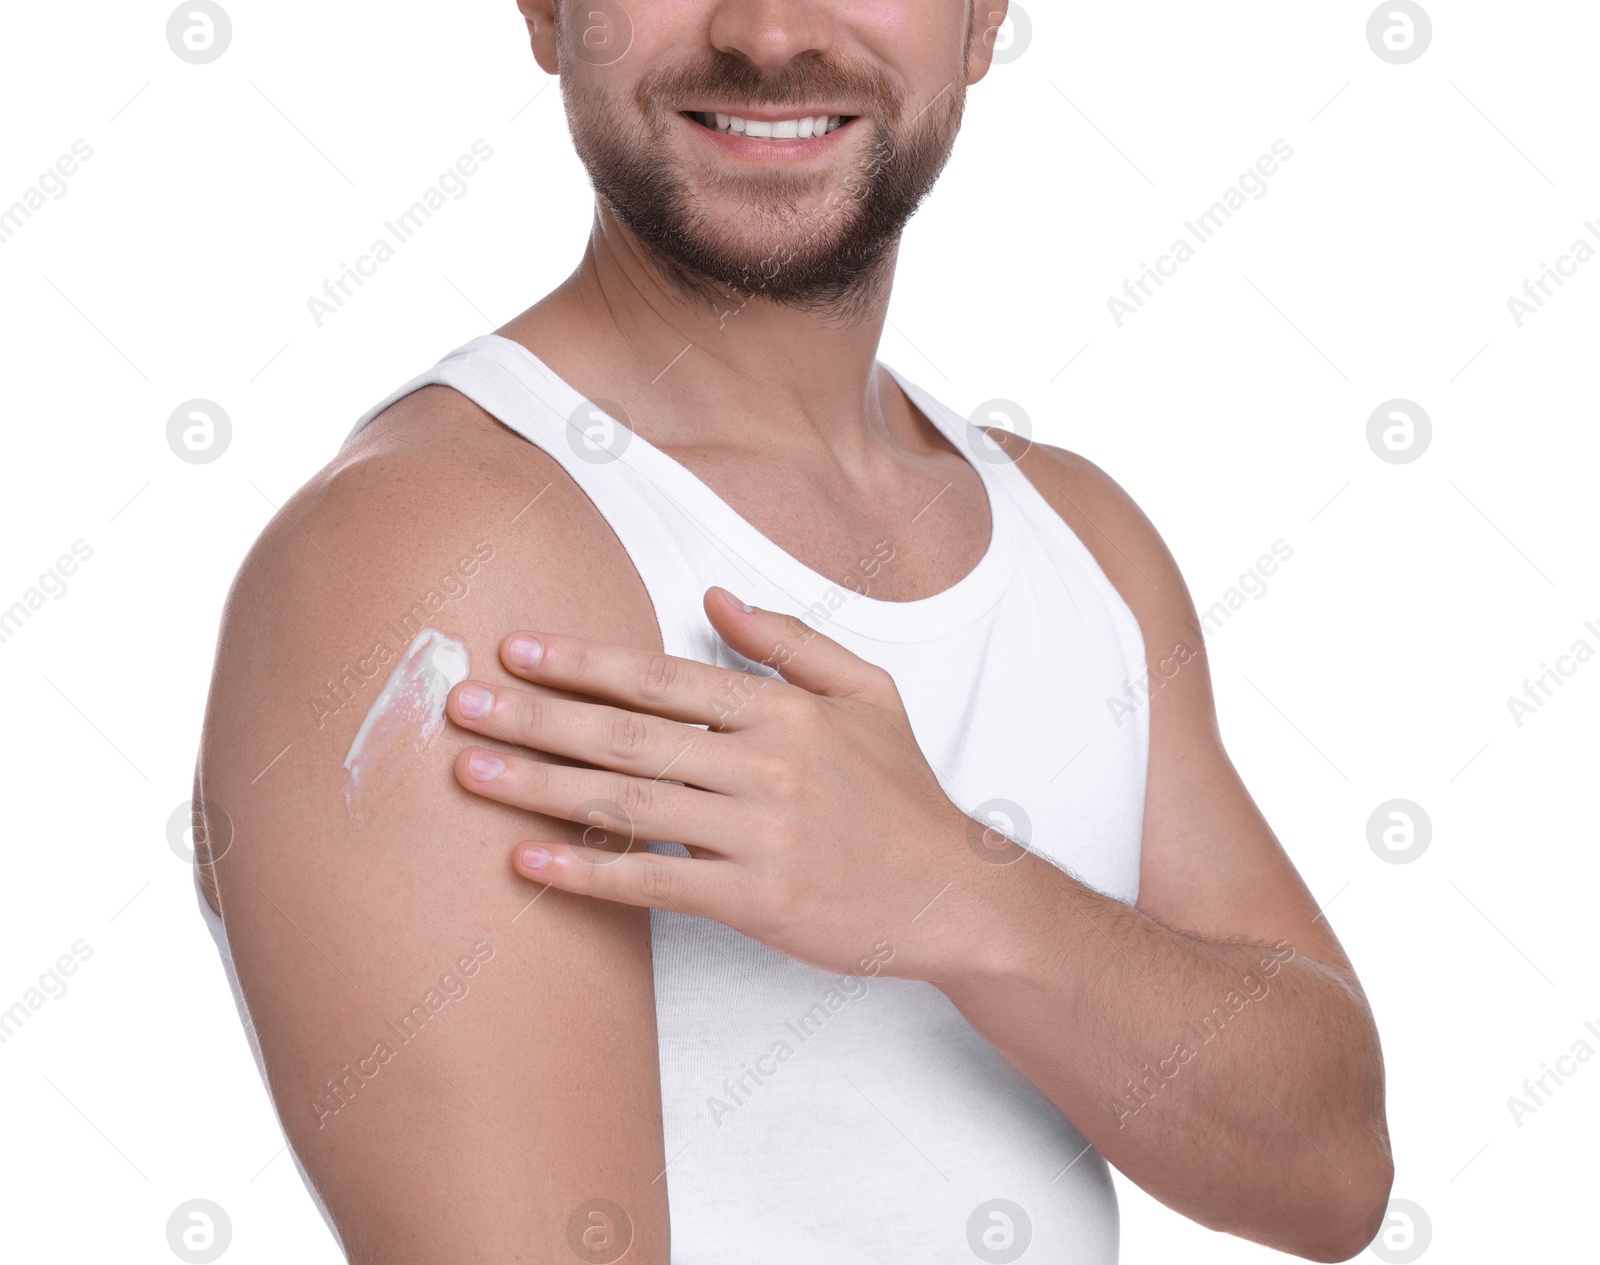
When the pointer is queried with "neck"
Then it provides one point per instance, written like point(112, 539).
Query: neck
point(698, 363)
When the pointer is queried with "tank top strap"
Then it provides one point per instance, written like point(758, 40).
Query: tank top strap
point(600, 454)
point(1053, 540)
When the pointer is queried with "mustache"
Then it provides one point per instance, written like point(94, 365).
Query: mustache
point(726, 77)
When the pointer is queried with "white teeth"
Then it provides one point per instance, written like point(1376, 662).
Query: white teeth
point(786, 129)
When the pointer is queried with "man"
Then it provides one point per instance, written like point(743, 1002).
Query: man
point(877, 873)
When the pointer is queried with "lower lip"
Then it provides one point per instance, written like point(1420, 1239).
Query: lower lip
point(793, 150)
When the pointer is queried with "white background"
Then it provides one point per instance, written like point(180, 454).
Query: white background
point(1233, 406)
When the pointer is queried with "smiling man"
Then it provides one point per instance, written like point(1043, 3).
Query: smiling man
point(675, 790)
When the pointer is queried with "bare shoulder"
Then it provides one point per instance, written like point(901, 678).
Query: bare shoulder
point(1121, 537)
point(457, 1064)
point(1209, 862)
point(424, 482)
point(435, 514)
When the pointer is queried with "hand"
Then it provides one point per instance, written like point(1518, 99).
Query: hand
point(814, 822)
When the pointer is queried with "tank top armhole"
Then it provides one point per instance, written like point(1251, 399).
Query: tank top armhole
point(1048, 521)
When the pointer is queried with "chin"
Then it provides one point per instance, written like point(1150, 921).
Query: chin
point(812, 227)
point(750, 264)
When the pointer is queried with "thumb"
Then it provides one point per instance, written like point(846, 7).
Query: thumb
point(802, 655)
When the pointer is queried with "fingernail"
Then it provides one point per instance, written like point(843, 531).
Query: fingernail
point(484, 766)
point(474, 701)
point(739, 602)
point(525, 651)
point(533, 857)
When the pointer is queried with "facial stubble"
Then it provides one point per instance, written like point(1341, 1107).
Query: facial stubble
point(825, 254)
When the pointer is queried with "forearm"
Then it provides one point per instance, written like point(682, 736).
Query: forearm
point(1240, 1084)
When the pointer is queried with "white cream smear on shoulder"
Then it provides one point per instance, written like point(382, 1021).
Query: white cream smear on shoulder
point(405, 718)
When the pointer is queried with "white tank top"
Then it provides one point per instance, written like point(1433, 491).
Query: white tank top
point(813, 1117)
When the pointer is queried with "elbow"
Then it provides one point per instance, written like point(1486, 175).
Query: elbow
point(1352, 1220)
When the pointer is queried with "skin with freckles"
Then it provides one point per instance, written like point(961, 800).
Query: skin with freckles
point(731, 299)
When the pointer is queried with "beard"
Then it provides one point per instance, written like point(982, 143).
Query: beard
point(788, 237)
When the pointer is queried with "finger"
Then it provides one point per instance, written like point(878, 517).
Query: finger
point(697, 888)
point(610, 737)
point(803, 655)
point(641, 680)
point(631, 809)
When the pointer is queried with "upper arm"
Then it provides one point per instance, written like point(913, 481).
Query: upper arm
point(1210, 864)
point(526, 1081)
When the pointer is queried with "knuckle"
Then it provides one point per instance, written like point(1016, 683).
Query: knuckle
point(801, 711)
point(581, 878)
point(659, 676)
point(779, 775)
point(881, 681)
point(527, 713)
point(629, 734)
point(573, 659)
point(796, 629)
point(785, 704)
point(655, 880)
point(634, 798)
point(778, 901)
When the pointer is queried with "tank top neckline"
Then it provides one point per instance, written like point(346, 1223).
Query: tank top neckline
point(921, 619)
